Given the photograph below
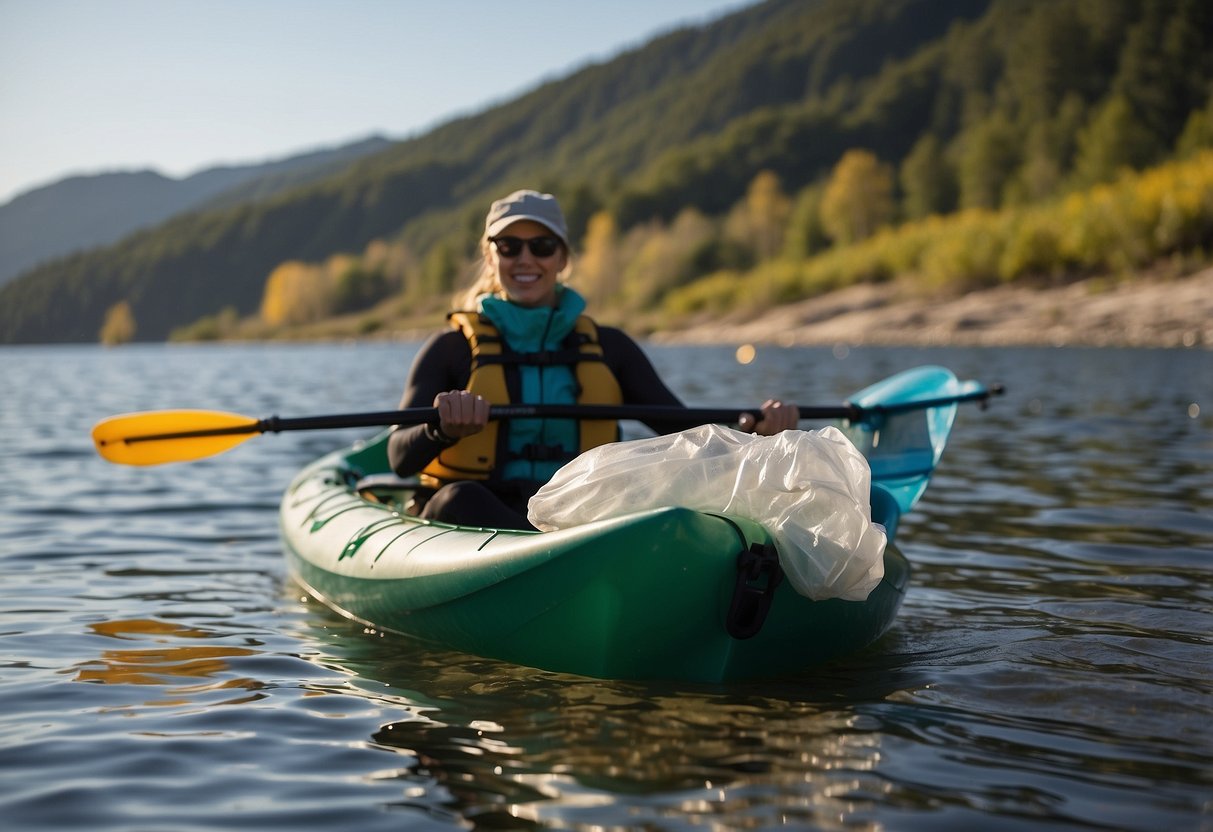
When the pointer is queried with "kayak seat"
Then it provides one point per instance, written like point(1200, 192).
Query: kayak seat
point(389, 489)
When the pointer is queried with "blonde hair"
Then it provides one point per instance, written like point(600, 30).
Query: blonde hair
point(486, 281)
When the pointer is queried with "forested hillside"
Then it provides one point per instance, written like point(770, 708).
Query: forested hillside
point(783, 131)
point(81, 212)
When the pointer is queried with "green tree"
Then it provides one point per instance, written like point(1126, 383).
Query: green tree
point(440, 270)
point(1038, 176)
point(357, 287)
point(970, 70)
point(1163, 72)
point(1197, 134)
point(927, 182)
point(1048, 56)
point(209, 327)
point(1113, 140)
point(1048, 154)
point(989, 156)
point(805, 235)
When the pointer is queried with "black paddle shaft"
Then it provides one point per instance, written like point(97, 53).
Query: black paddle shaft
point(641, 413)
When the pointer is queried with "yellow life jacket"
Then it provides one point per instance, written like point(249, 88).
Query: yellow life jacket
point(475, 457)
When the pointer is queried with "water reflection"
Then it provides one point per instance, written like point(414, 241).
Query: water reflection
point(169, 664)
point(690, 755)
point(500, 745)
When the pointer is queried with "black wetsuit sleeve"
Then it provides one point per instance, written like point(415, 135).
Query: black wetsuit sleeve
point(443, 363)
point(638, 379)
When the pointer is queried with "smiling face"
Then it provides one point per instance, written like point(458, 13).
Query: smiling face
point(528, 280)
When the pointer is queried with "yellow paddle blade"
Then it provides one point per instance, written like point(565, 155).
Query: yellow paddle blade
point(161, 436)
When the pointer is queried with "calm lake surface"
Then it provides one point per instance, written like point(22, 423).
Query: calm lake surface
point(1050, 669)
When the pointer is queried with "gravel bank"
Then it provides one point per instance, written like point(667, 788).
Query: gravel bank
point(1148, 312)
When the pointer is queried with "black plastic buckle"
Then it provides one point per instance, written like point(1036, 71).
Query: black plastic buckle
point(758, 574)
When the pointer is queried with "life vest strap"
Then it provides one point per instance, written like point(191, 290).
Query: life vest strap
point(547, 358)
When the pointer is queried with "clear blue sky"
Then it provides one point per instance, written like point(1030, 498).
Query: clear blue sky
point(88, 86)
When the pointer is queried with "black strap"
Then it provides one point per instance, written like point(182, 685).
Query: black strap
point(534, 452)
point(546, 358)
point(758, 574)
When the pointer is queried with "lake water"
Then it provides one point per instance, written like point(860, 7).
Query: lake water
point(1050, 669)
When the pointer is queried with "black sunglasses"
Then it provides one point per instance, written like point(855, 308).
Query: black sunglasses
point(544, 246)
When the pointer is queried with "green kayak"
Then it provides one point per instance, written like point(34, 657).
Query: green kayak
point(669, 593)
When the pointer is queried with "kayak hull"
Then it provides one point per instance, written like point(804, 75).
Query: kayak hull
point(647, 596)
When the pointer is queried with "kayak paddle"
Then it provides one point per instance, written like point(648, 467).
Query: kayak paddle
point(903, 447)
point(160, 436)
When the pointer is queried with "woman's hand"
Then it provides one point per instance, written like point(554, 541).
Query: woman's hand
point(461, 413)
point(777, 416)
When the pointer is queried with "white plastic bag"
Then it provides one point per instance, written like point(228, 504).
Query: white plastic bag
point(810, 489)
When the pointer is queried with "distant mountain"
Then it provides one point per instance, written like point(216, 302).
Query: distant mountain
point(83, 212)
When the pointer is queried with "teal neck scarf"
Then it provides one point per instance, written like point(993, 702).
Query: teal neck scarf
point(532, 330)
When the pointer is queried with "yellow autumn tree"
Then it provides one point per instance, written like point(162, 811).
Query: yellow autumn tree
point(598, 268)
point(858, 199)
point(119, 326)
point(760, 219)
point(662, 258)
point(338, 264)
point(647, 264)
point(295, 293)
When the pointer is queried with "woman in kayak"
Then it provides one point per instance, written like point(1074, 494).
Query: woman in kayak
point(520, 336)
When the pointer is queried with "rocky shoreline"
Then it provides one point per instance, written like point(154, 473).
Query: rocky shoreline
point(1145, 312)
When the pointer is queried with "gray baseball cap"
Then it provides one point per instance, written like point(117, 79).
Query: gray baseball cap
point(527, 205)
